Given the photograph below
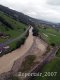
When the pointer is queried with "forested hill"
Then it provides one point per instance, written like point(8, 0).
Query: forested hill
point(16, 15)
point(23, 18)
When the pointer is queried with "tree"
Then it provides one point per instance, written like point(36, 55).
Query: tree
point(35, 31)
point(53, 44)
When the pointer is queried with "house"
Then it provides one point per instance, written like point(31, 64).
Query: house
point(6, 47)
point(3, 35)
point(2, 49)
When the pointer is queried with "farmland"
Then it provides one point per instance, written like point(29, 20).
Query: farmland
point(16, 29)
point(58, 53)
point(10, 30)
point(39, 49)
point(50, 35)
point(53, 66)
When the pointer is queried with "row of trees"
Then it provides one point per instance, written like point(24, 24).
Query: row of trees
point(35, 31)
point(5, 22)
point(17, 15)
point(22, 40)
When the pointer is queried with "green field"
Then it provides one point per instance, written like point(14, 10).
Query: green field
point(50, 35)
point(58, 53)
point(27, 63)
point(13, 29)
point(53, 66)
point(18, 27)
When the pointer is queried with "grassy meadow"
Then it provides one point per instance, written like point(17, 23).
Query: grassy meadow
point(17, 27)
point(50, 35)
point(52, 67)
point(13, 29)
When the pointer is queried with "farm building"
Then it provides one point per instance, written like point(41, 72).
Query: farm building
point(2, 49)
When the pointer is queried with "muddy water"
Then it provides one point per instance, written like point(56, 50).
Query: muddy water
point(41, 45)
point(6, 62)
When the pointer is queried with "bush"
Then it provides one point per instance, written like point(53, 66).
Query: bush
point(35, 31)
point(13, 78)
point(27, 63)
point(53, 44)
point(27, 34)
point(19, 43)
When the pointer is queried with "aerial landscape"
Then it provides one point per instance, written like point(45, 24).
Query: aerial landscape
point(29, 40)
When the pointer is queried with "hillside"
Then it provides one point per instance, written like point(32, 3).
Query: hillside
point(24, 18)
point(10, 26)
point(32, 45)
point(10, 33)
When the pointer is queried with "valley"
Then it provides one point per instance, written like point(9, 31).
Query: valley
point(27, 45)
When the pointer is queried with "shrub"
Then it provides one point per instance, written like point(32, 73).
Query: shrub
point(35, 31)
point(53, 44)
point(20, 42)
point(27, 63)
point(13, 78)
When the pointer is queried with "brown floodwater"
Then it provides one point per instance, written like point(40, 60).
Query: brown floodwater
point(7, 61)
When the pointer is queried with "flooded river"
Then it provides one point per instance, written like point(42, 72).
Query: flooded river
point(6, 61)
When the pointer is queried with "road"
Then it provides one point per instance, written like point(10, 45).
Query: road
point(13, 39)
